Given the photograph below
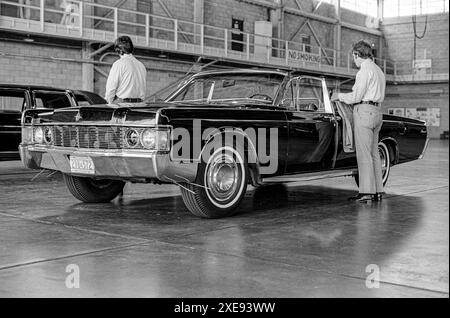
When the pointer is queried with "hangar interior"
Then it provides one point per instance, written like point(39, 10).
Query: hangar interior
point(301, 240)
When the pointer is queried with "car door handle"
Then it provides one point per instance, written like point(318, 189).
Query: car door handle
point(323, 117)
point(403, 130)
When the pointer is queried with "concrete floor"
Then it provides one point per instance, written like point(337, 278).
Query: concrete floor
point(304, 240)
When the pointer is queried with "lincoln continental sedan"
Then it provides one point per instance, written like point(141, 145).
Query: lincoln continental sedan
point(217, 132)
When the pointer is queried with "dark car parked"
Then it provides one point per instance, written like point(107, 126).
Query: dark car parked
point(14, 99)
point(217, 132)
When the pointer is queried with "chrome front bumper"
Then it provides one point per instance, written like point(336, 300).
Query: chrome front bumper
point(114, 164)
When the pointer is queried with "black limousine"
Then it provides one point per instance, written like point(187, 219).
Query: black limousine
point(215, 133)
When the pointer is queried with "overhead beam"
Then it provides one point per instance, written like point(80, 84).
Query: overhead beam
point(318, 6)
point(317, 17)
point(318, 41)
point(100, 50)
point(313, 16)
point(310, 15)
point(100, 71)
point(261, 3)
point(361, 28)
point(298, 4)
point(304, 22)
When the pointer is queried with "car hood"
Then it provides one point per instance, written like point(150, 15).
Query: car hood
point(123, 113)
point(127, 113)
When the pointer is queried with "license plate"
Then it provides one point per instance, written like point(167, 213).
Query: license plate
point(82, 165)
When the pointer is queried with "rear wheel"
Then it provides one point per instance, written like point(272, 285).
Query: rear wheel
point(385, 158)
point(93, 191)
point(220, 185)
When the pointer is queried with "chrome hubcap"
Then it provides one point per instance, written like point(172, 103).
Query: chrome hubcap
point(222, 177)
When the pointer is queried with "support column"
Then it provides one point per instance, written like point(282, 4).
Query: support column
point(87, 69)
point(276, 16)
point(199, 17)
point(381, 38)
point(337, 33)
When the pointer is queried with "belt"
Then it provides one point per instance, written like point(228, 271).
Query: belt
point(132, 100)
point(369, 102)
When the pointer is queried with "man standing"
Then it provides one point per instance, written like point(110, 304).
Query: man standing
point(127, 78)
point(366, 97)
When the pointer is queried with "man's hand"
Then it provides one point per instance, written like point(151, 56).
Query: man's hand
point(334, 97)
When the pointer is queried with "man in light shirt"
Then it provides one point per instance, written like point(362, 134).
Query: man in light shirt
point(366, 96)
point(127, 78)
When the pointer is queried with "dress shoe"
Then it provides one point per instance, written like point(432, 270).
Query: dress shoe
point(378, 197)
point(363, 197)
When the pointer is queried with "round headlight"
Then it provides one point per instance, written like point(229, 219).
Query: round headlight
point(39, 135)
point(132, 138)
point(48, 135)
point(148, 138)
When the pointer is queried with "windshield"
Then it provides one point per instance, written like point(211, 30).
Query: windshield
point(231, 87)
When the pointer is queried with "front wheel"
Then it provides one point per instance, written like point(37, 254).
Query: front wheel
point(93, 191)
point(220, 185)
point(385, 158)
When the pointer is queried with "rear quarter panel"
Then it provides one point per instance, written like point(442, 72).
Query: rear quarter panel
point(410, 135)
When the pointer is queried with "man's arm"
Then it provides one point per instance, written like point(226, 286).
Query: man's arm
point(112, 83)
point(358, 90)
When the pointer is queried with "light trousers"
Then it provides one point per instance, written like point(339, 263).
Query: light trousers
point(367, 120)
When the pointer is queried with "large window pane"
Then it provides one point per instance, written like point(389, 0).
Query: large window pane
point(390, 8)
point(395, 8)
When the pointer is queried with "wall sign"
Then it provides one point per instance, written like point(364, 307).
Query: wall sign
point(422, 63)
point(304, 56)
point(397, 111)
point(432, 116)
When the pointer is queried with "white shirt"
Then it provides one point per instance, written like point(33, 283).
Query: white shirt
point(127, 79)
point(370, 85)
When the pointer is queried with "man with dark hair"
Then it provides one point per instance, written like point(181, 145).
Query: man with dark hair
point(366, 97)
point(127, 77)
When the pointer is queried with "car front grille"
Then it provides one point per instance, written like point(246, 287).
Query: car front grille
point(92, 137)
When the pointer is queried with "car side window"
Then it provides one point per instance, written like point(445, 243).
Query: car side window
point(51, 99)
point(81, 100)
point(309, 95)
point(196, 91)
point(288, 98)
point(12, 101)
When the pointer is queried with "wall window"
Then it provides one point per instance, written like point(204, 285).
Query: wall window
point(397, 8)
point(366, 7)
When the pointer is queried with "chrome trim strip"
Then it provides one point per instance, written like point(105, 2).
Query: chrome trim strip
point(9, 126)
point(424, 148)
point(95, 153)
point(97, 124)
point(310, 176)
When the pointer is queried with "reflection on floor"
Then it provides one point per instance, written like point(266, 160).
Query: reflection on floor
point(301, 240)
